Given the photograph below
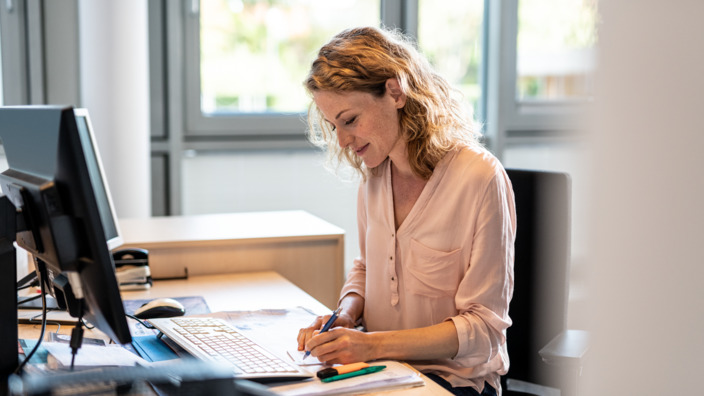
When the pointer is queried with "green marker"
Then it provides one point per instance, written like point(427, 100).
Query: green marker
point(368, 370)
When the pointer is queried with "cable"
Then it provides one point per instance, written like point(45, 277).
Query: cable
point(28, 281)
point(143, 323)
point(76, 341)
point(28, 299)
point(42, 283)
point(87, 325)
point(57, 324)
point(24, 287)
point(77, 335)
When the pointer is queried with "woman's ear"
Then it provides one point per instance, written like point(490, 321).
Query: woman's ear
point(394, 89)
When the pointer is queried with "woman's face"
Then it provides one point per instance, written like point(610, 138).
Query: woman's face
point(366, 124)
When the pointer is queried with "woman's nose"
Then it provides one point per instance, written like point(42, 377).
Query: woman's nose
point(344, 139)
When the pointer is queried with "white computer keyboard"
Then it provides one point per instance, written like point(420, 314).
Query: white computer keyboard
point(214, 340)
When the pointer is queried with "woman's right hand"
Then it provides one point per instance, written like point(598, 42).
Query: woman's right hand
point(306, 333)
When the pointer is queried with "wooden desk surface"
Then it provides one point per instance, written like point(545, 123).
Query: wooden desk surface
point(240, 292)
point(235, 292)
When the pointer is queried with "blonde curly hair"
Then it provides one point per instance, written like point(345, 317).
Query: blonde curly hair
point(432, 122)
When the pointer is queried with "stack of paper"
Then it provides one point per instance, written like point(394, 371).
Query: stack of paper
point(133, 277)
point(395, 376)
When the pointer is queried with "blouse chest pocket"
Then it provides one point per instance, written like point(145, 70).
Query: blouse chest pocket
point(431, 272)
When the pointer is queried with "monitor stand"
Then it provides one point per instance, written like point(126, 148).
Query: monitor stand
point(9, 359)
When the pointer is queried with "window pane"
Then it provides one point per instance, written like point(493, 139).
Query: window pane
point(449, 34)
point(255, 54)
point(556, 40)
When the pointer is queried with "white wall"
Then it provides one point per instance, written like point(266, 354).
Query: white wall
point(647, 298)
point(245, 181)
point(115, 90)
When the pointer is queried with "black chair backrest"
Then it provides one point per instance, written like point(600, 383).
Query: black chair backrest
point(541, 270)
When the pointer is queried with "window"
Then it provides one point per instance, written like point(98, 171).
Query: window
point(246, 59)
point(555, 55)
point(255, 55)
point(250, 59)
point(450, 35)
point(543, 91)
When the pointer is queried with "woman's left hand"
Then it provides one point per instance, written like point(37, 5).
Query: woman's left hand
point(342, 346)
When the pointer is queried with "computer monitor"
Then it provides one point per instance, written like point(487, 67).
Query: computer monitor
point(57, 201)
point(97, 178)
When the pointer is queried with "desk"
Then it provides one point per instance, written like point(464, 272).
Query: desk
point(239, 292)
point(235, 292)
point(303, 248)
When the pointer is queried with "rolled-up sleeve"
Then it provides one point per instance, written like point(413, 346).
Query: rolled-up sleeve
point(356, 278)
point(485, 291)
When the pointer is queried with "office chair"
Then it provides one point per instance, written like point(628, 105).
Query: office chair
point(541, 271)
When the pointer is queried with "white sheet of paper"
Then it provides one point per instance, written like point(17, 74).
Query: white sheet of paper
point(91, 355)
point(297, 357)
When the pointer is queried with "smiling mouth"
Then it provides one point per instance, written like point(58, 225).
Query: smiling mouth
point(362, 149)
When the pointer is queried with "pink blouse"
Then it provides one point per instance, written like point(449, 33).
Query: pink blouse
point(451, 259)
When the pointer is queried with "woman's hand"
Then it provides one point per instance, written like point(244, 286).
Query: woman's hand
point(351, 306)
point(307, 333)
point(342, 345)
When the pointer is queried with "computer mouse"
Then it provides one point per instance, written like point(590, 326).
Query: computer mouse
point(160, 308)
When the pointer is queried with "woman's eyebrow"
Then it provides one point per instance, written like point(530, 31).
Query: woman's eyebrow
point(340, 113)
point(337, 116)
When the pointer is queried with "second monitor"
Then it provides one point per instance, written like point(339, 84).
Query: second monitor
point(57, 206)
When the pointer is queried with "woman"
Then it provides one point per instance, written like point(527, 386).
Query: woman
point(436, 217)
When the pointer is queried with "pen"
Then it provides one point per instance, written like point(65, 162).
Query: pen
point(368, 370)
point(327, 326)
